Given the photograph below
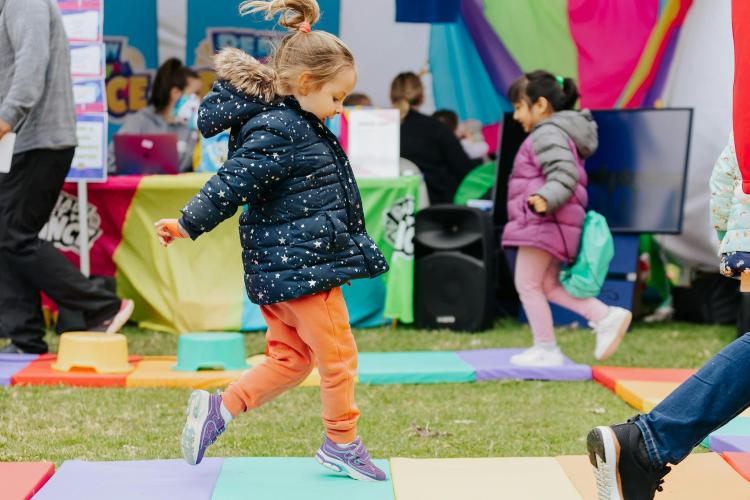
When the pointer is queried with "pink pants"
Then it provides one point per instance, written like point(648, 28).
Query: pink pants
point(538, 283)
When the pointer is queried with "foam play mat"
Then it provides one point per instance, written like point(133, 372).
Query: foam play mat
point(609, 375)
point(739, 461)
point(701, 476)
point(734, 436)
point(413, 368)
point(10, 364)
point(493, 364)
point(159, 372)
point(20, 480)
point(40, 372)
point(148, 479)
point(644, 396)
point(291, 478)
point(537, 478)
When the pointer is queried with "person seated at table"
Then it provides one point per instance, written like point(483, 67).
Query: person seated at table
point(172, 106)
point(427, 142)
point(468, 132)
point(358, 99)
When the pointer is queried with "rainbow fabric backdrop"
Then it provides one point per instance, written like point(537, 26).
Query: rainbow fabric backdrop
point(618, 52)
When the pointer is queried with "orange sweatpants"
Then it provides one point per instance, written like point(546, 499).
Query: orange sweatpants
point(309, 330)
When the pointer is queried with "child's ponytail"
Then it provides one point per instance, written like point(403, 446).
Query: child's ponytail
point(293, 14)
point(303, 49)
point(247, 73)
point(561, 93)
point(570, 93)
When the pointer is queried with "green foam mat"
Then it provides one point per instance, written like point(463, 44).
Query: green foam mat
point(413, 368)
point(285, 478)
point(739, 426)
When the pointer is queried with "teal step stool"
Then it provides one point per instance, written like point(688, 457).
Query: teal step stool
point(210, 351)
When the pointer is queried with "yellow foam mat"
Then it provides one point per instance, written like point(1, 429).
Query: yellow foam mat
point(533, 478)
point(157, 372)
point(312, 380)
point(644, 396)
point(699, 477)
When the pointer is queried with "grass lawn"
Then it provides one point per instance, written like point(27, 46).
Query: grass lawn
point(495, 418)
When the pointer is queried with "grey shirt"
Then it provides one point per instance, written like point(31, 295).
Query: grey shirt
point(148, 121)
point(36, 91)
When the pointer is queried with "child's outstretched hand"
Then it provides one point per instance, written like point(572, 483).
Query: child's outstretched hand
point(169, 230)
point(537, 204)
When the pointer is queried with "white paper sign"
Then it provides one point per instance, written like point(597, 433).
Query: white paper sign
point(7, 143)
point(90, 160)
point(82, 26)
point(374, 142)
point(87, 60)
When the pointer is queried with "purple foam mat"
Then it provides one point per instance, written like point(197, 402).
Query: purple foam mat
point(147, 479)
point(493, 364)
point(10, 364)
point(721, 444)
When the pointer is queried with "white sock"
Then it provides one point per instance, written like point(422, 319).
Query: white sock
point(344, 445)
point(225, 414)
point(547, 346)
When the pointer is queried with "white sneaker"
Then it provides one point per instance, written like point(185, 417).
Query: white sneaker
point(537, 356)
point(610, 330)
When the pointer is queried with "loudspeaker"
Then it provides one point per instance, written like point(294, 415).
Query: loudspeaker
point(454, 268)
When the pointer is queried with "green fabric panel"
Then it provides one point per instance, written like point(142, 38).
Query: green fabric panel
point(536, 33)
point(177, 288)
point(413, 368)
point(286, 478)
point(476, 183)
point(389, 212)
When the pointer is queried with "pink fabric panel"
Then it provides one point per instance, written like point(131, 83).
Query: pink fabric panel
point(610, 37)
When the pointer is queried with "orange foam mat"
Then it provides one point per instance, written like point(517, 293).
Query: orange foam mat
point(157, 372)
point(700, 476)
point(644, 396)
point(40, 372)
point(740, 462)
point(21, 480)
point(608, 375)
point(532, 478)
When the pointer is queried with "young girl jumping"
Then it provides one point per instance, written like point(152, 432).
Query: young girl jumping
point(303, 234)
point(546, 206)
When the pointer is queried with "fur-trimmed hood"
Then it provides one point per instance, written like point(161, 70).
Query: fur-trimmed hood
point(244, 88)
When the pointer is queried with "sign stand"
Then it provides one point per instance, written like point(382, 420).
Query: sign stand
point(83, 228)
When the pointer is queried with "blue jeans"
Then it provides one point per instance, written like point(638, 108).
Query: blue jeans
point(713, 396)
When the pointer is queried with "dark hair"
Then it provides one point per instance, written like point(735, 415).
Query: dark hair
point(171, 74)
point(531, 86)
point(357, 99)
point(448, 117)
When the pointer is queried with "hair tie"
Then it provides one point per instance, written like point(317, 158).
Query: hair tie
point(304, 27)
point(560, 80)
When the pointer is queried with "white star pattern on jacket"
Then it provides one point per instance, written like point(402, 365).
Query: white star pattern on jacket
point(303, 230)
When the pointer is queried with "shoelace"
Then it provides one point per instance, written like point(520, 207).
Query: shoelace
point(663, 473)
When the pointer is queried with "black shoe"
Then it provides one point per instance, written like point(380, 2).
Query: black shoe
point(622, 467)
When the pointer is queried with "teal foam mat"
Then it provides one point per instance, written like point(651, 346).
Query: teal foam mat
point(739, 426)
point(286, 478)
point(413, 368)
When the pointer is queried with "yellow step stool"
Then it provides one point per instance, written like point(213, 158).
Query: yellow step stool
point(103, 352)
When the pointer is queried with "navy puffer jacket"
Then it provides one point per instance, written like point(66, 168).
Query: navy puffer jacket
point(304, 229)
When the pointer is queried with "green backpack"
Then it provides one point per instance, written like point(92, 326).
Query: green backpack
point(586, 276)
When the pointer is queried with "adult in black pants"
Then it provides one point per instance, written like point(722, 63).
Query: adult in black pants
point(37, 103)
point(428, 142)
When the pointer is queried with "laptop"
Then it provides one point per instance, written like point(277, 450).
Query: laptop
point(146, 154)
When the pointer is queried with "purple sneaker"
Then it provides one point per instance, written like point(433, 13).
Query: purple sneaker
point(204, 424)
point(352, 460)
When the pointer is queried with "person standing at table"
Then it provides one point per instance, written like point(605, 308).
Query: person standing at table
point(172, 107)
point(427, 142)
point(36, 102)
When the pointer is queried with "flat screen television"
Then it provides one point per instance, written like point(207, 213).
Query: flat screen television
point(637, 176)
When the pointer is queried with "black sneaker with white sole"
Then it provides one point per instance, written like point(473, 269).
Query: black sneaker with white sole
point(622, 467)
